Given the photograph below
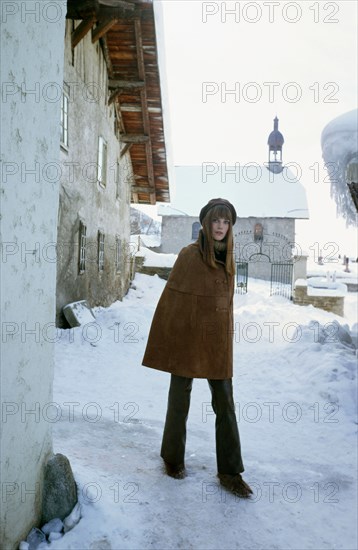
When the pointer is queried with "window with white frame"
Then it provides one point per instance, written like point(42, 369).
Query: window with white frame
point(118, 254)
point(100, 251)
point(64, 115)
point(82, 247)
point(102, 162)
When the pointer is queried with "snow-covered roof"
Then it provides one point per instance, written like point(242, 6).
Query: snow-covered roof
point(253, 189)
point(166, 210)
point(339, 142)
point(348, 122)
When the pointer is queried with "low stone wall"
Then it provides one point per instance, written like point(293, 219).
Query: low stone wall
point(352, 287)
point(334, 304)
point(162, 272)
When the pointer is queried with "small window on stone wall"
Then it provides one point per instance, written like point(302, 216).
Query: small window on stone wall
point(100, 251)
point(118, 254)
point(64, 115)
point(195, 228)
point(258, 232)
point(102, 161)
point(118, 180)
point(82, 248)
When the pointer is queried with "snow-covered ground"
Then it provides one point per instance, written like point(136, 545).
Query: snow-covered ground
point(295, 392)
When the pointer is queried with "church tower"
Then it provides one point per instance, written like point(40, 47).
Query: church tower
point(275, 142)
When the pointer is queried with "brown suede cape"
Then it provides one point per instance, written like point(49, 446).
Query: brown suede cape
point(192, 329)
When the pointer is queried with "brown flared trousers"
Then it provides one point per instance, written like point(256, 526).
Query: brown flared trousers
point(228, 448)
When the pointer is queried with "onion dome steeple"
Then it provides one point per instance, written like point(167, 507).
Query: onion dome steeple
point(275, 142)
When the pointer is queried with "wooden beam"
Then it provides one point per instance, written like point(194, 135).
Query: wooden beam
point(139, 189)
point(135, 198)
point(119, 118)
point(122, 85)
point(134, 138)
point(114, 95)
point(144, 101)
point(126, 84)
point(117, 4)
point(125, 149)
point(82, 9)
point(131, 108)
point(119, 13)
point(139, 49)
point(102, 28)
point(104, 45)
point(81, 31)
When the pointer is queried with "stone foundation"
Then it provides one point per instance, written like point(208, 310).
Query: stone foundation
point(334, 304)
point(162, 272)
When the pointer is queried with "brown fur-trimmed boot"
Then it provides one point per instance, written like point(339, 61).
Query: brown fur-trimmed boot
point(236, 485)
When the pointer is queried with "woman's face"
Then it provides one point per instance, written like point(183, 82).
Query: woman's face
point(219, 228)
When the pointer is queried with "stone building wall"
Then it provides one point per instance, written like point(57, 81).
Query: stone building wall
point(32, 51)
point(277, 245)
point(83, 199)
point(176, 233)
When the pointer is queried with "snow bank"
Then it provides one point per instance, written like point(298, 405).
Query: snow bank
point(295, 394)
point(156, 259)
point(319, 286)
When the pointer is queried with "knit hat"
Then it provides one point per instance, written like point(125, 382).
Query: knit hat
point(217, 202)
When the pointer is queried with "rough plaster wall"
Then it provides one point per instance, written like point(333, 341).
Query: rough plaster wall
point(32, 57)
point(81, 197)
point(176, 233)
point(279, 234)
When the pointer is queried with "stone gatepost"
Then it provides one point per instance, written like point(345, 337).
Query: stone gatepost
point(299, 267)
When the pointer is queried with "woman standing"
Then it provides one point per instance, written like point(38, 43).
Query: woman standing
point(191, 336)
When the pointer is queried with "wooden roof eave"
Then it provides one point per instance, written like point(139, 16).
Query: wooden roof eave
point(100, 9)
point(143, 131)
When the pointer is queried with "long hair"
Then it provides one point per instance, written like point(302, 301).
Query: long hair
point(206, 241)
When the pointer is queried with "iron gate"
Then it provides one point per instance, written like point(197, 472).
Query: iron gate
point(241, 277)
point(281, 279)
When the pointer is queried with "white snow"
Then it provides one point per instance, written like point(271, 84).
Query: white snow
point(347, 122)
point(136, 241)
point(156, 259)
point(295, 393)
point(339, 148)
point(81, 311)
point(319, 286)
point(73, 518)
point(54, 535)
point(53, 526)
point(333, 268)
point(150, 240)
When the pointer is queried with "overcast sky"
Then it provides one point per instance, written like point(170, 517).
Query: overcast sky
point(296, 60)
